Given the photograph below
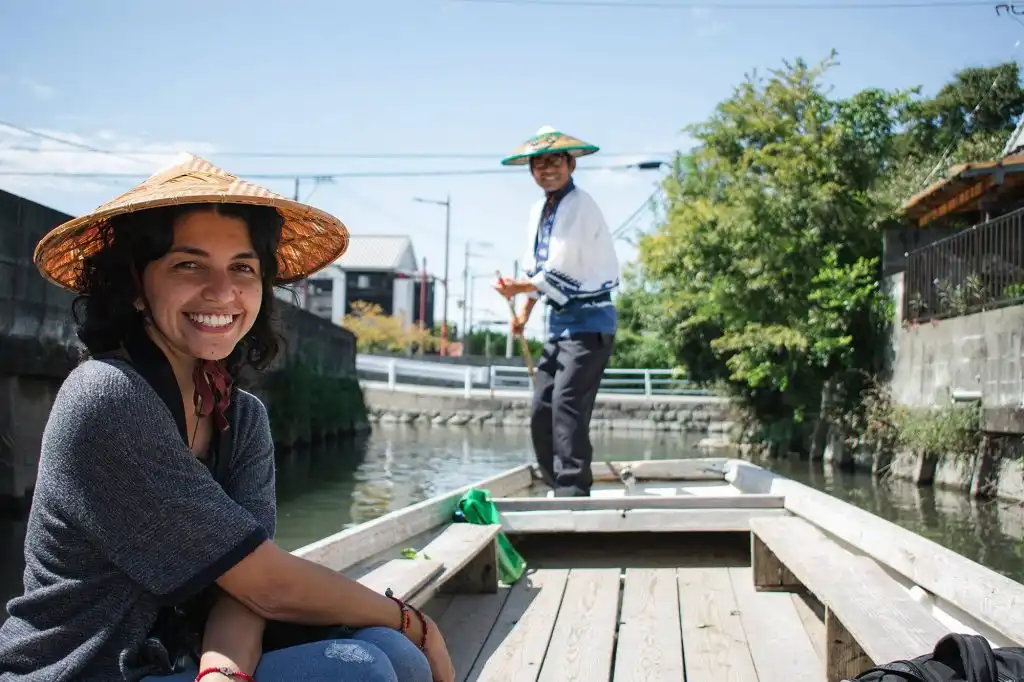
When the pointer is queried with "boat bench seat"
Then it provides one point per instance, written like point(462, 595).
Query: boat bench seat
point(463, 558)
point(870, 618)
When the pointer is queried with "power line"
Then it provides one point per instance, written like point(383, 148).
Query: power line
point(773, 6)
point(621, 230)
point(296, 155)
point(90, 175)
point(80, 146)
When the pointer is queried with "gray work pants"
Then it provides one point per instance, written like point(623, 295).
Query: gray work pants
point(565, 388)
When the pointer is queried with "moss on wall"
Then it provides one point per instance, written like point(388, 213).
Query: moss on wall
point(307, 407)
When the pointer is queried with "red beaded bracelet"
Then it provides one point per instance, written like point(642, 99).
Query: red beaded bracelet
point(423, 622)
point(227, 672)
point(403, 609)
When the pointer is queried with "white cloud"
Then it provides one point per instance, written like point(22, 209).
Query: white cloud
point(23, 152)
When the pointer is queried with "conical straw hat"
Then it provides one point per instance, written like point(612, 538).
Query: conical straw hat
point(311, 239)
point(548, 140)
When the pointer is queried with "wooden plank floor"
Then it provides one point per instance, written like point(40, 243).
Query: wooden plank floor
point(607, 624)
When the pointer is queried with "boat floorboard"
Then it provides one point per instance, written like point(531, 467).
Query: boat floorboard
point(641, 616)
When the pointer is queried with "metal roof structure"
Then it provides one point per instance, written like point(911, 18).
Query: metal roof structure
point(384, 252)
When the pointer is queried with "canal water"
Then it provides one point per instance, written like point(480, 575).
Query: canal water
point(322, 491)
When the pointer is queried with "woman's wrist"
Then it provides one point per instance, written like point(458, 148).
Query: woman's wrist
point(222, 674)
point(411, 621)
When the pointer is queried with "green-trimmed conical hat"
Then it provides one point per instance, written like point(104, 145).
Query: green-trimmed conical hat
point(547, 140)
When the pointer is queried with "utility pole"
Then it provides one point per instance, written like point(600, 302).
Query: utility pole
point(447, 240)
point(447, 203)
point(305, 281)
point(465, 293)
point(423, 305)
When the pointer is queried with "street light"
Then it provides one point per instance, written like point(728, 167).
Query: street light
point(447, 203)
point(650, 165)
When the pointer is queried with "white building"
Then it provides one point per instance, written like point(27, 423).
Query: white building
point(378, 269)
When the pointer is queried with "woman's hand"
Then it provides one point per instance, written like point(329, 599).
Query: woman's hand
point(441, 667)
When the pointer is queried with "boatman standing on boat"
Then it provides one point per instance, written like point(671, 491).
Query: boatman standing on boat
point(571, 264)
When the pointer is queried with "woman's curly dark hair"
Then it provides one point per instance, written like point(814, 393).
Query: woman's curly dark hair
point(105, 311)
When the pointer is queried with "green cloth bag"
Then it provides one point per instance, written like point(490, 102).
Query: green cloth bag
point(476, 507)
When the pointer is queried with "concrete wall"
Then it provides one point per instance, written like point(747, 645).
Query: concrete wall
point(427, 407)
point(36, 332)
point(980, 352)
point(38, 346)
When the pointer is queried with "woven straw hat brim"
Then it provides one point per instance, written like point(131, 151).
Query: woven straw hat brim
point(549, 143)
point(311, 239)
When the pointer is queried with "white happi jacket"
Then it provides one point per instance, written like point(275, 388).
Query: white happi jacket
point(581, 261)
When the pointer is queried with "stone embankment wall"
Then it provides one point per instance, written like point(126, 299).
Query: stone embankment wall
point(429, 407)
point(971, 357)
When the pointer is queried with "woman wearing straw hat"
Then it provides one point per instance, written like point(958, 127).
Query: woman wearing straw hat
point(149, 551)
point(571, 262)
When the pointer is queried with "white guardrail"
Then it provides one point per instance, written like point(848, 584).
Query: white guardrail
point(647, 382)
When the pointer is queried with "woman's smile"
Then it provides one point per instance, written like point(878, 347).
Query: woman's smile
point(217, 323)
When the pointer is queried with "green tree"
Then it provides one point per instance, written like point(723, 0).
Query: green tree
point(639, 344)
point(969, 119)
point(766, 267)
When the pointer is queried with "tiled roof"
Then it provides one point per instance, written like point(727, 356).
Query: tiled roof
point(375, 252)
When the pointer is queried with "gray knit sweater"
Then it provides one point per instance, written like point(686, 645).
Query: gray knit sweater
point(125, 519)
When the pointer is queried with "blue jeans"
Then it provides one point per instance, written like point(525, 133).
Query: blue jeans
point(371, 655)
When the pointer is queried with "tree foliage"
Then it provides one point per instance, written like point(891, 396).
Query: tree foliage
point(376, 332)
point(765, 273)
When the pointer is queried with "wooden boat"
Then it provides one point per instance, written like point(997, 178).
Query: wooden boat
point(708, 570)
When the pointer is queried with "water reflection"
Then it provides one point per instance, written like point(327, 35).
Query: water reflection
point(323, 490)
point(986, 531)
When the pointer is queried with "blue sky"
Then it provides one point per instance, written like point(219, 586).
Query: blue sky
point(424, 76)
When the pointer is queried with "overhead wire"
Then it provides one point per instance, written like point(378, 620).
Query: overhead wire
point(320, 176)
point(621, 230)
point(296, 154)
point(81, 146)
point(772, 6)
point(958, 138)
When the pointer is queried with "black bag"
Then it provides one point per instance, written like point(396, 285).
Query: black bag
point(956, 658)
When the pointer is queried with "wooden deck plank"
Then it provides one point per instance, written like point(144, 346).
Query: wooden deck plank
point(944, 573)
point(583, 639)
point(813, 623)
point(750, 501)
point(404, 576)
point(714, 644)
point(462, 547)
point(779, 644)
point(876, 611)
point(466, 624)
point(637, 520)
point(436, 607)
point(518, 642)
point(697, 469)
point(650, 643)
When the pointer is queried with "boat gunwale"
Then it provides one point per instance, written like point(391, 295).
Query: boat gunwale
point(962, 589)
point(982, 599)
point(365, 540)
